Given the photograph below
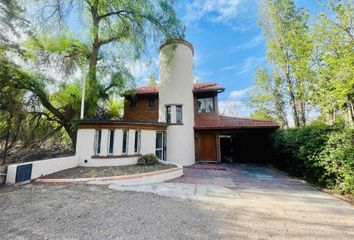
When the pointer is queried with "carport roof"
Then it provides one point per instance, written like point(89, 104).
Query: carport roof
point(224, 122)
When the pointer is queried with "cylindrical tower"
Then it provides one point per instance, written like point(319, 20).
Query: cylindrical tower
point(176, 100)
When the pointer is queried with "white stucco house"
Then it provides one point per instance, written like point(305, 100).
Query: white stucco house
point(178, 121)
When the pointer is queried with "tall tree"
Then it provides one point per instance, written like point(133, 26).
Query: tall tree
point(110, 32)
point(152, 81)
point(289, 50)
point(267, 98)
point(333, 87)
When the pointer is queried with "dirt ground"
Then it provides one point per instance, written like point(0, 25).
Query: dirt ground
point(233, 202)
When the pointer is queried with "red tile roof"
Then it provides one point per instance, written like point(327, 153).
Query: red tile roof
point(224, 122)
point(147, 90)
point(203, 87)
point(197, 87)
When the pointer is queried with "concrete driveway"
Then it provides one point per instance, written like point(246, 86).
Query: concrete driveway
point(222, 202)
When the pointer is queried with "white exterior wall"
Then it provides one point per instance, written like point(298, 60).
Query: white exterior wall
point(148, 138)
point(42, 167)
point(176, 87)
point(85, 147)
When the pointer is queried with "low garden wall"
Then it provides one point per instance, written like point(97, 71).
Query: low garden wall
point(36, 169)
point(134, 179)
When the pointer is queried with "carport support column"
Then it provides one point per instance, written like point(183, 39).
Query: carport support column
point(218, 149)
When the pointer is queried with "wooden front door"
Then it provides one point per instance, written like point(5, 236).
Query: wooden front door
point(207, 146)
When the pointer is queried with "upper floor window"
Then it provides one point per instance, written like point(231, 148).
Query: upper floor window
point(132, 102)
point(206, 105)
point(152, 102)
point(168, 114)
point(178, 114)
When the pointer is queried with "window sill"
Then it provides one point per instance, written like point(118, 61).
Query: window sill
point(116, 156)
point(174, 124)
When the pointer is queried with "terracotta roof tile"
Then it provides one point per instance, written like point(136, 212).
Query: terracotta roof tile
point(200, 87)
point(224, 122)
point(197, 87)
point(146, 90)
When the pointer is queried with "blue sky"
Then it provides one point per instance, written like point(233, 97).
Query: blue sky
point(228, 43)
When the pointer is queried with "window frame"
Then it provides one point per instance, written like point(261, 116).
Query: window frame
point(181, 115)
point(205, 102)
point(152, 100)
point(98, 141)
point(168, 113)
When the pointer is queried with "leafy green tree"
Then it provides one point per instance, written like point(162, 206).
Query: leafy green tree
point(112, 31)
point(289, 50)
point(152, 81)
point(267, 97)
point(333, 34)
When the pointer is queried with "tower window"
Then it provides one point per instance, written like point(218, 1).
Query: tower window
point(178, 114)
point(168, 114)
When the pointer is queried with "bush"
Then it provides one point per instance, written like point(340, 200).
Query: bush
point(321, 154)
point(148, 160)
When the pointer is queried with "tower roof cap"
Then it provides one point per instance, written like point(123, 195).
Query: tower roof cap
point(177, 40)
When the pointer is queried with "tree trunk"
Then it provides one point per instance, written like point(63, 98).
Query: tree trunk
point(350, 106)
point(72, 132)
point(292, 100)
point(7, 139)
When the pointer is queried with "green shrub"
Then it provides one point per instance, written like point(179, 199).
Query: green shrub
point(321, 154)
point(147, 160)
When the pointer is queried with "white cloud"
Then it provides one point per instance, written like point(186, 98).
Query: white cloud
point(252, 43)
point(238, 94)
point(248, 65)
point(220, 11)
point(233, 105)
point(230, 108)
point(228, 68)
point(141, 70)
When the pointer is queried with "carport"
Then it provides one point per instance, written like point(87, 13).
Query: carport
point(232, 140)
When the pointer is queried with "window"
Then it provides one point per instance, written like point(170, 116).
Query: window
point(178, 114)
point(160, 145)
point(125, 142)
point(132, 102)
point(137, 142)
point(168, 114)
point(152, 102)
point(206, 105)
point(98, 136)
point(111, 142)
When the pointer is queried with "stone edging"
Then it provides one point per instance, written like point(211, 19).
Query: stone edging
point(116, 179)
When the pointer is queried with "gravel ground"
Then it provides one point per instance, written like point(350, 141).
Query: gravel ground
point(54, 211)
point(91, 172)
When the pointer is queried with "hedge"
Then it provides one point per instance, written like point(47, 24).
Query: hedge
point(321, 154)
